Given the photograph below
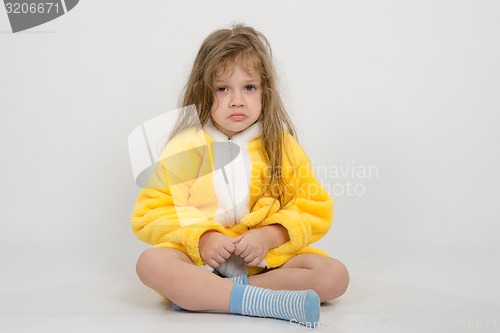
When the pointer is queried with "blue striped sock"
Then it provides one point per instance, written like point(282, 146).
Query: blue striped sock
point(177, 308)
point(300, 306)
point(241, 279)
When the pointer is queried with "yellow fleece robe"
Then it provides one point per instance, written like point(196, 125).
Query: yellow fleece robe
point(176, 216)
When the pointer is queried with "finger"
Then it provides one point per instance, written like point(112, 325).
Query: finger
point(229, 247)
point(240, 248)
point(236, 240)
point(255, 262)
point(213, 263)
point(225, 255)
point(220, 259)
point(250, 258)
point(246, 253)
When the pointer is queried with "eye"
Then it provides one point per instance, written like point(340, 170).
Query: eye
point(250, 88)
point(221, 89)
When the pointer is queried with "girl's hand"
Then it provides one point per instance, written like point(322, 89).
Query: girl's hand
point(253, 246)
point(215, 248)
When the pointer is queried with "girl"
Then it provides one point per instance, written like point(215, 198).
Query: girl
point(254, 214)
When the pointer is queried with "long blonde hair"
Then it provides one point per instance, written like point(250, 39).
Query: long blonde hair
point(245, 46)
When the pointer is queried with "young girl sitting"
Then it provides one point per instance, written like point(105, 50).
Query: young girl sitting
point(254, 215)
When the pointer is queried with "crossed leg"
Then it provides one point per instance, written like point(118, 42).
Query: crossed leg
point(172, 274)
point(328, 277)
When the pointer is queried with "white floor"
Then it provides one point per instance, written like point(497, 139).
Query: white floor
point(431, 293)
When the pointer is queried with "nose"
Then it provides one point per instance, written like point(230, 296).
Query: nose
point(237, 99)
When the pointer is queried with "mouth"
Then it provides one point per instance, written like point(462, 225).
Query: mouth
point(238, 116)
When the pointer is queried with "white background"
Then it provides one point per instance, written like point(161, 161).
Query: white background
point(410, 88)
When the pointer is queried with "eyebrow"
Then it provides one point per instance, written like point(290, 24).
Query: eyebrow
point(249, 81)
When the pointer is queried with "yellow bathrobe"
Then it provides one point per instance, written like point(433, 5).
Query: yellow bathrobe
point(190, 195)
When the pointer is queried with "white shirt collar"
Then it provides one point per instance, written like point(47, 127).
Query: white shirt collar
point(247, 135)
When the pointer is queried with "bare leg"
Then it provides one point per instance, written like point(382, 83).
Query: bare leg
point(172, 274)
point(328, 277)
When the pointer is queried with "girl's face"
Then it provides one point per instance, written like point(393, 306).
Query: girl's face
point(238, 100)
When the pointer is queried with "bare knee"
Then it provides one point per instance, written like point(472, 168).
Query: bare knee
point(151, 264)
point(145, 264)
point(334, 278)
